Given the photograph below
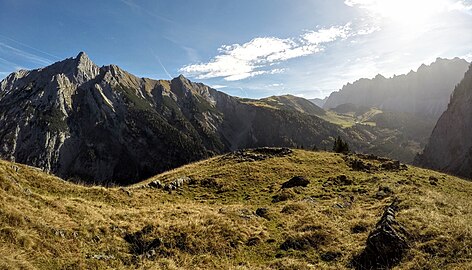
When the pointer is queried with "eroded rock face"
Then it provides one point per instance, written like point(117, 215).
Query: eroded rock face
point(450, 146)
point(386, 244)
point(102, 124)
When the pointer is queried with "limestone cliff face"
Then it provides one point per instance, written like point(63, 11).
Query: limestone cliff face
point(102, 124)
point(450, 146)
point(425, 92)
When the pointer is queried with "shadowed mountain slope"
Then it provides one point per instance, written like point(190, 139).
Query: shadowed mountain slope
point(450, 147)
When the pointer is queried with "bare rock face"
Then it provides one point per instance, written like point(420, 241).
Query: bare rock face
point(450, 146)
point(103, 124)
point(95, 124)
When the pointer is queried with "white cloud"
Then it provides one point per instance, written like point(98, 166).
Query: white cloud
point(238, 62)
point(218, 86)
point(461, 6)
point(403, 9)
point(467, 57)
point(327, 35)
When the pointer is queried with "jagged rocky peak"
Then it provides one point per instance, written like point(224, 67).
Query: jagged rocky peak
point(85, 69)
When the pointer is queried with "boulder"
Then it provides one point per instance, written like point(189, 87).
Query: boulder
point(263, 212)
point(297, 181)
point(155, 184)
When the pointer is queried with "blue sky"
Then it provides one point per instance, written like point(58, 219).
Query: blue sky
point(248, 48)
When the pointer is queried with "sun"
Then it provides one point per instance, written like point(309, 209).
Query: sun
point(405, 12)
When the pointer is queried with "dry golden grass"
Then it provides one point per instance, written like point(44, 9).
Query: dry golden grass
point(210, 223)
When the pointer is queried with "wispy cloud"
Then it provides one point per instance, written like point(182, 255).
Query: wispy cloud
point(461, 5)
point(160, 63)
point(137, 8)
point(258, 56)
point(403, 9)
point(218, 86)
point(23, 54)
point(30, 47)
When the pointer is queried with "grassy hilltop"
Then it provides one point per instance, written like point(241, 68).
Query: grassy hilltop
point(231, 213)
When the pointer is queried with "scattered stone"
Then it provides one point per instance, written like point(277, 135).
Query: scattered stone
point(271, 241)
point(127, 191)
point(330, 256)
point(210, 183)
point(359, 228)
point(273, 151)
point(155, 184)
point(245, 213)
point(284, 195)
point(179, 182)
point(310, 200)
point(360, 165)
point(297, 181)
point(60, 233)
point(96, 238)
point(141, 242)
point(383, 192)
point(263, 212)
point(253, 241)
point(100, 257)
point(372, 157)
point(258, 154)
point(346, 202)
point(340, 180)
point(433, 180)
point(393, 165)
point(293, 208)
point(150, 254)
point(386, 244)
point(305, 241)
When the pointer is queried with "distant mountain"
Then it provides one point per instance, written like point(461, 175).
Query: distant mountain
point(425, 92)
point(318, 101)
point(450, 147)
point(102, 124)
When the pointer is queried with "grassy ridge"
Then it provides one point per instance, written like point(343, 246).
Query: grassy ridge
point(47, 223)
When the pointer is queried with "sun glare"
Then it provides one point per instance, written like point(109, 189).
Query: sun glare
point(408, 12)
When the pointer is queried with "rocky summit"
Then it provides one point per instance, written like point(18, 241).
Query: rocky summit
point(102, 124)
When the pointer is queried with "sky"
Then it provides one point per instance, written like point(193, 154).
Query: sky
point(246, 48)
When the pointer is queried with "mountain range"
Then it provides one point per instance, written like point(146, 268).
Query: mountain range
point(104, 125)
point(424, 92)
point(101, 124)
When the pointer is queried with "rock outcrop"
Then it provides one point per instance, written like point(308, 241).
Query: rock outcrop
point(450, 146)
point(386, 244)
